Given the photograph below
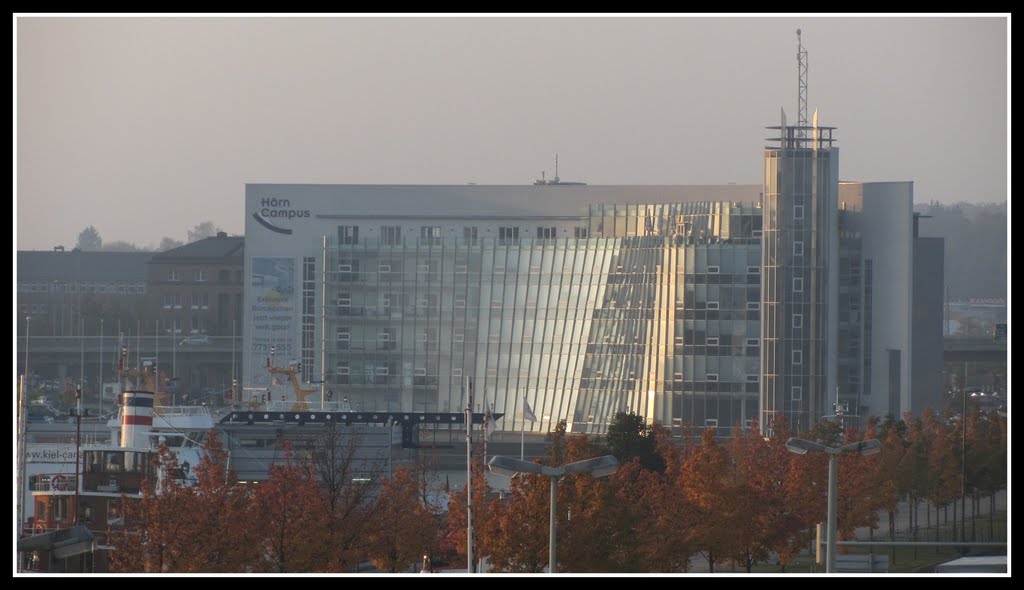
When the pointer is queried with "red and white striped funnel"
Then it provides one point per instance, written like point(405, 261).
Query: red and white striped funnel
point(136, 418)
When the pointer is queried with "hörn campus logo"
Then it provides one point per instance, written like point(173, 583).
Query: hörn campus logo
point(273, 209)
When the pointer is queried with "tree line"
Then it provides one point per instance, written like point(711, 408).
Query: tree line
point(743, 501)
point(89, 240)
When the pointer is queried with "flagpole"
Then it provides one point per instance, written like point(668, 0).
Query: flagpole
point(469, 475)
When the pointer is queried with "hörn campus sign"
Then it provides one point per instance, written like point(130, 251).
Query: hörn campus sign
point(273, 209)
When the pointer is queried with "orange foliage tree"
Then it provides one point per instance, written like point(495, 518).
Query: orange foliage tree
point(289, 522)
point(402, 528)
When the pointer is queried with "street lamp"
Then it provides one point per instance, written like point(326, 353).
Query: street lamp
point(597, 467)
point(800, 447)
point(963, 463)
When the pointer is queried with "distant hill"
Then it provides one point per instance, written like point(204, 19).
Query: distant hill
point(976, 246)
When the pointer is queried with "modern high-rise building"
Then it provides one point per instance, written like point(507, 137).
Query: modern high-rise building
point(799, 274)
point(709, 305)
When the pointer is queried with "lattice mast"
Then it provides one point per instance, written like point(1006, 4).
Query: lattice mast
point(801, 69)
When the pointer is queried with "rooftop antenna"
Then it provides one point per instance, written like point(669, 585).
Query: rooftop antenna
point(556, 168)
point(801, 67)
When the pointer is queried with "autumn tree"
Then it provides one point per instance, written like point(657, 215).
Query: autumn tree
point(349, 484)
point(892, 434)
point(219, 509)
point(402, 528)
point(707, 489)
point(292, 528)
point(858, 500)
point(765, 520)
point(158, 532)
point(456, 534)
point(519, 539)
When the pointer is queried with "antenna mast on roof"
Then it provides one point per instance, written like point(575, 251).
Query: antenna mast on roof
point(801, 67)
point(556, 168)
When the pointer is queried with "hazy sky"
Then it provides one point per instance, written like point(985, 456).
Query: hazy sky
point(145, 127)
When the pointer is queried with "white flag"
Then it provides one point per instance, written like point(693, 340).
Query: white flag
point(489, 425)
point(527, 412)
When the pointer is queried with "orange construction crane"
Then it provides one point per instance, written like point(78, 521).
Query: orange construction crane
point(301, 405)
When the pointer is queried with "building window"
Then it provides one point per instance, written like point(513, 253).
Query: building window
point(348, 270)
point(173, 276)
point(756, 233)
point(460, 302)
point(711, 377)
point(197, 324)
point(344, 336)
point(508, 236)
point(391, 235)
point(797, 393)
point(200, 276)
point(712, 305)
point(712, 342)
point(457, 372)
point(348, 234)
point(383, 268)
point(753, 270)
point(344, 303)
point(430, 235)
point(798, 285)
point(460, 336)
point(798, 320)
point(713, 270)
point(546, 233)
point(753, 305)
point(580, 232)
point(168, 300)
point(711, 423)
point(342, 369)
point(469, 235)
point(798, 248)
point(798, 357)
point(753, 342)
point(798, 211)
point(381, 371)
point(753, 378)
point(461, 269)
point(679, 340)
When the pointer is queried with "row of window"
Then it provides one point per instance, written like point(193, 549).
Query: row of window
point(175, 300)
point(174, 325)
point(391, 235)
point(200, 275)
point(83, 287)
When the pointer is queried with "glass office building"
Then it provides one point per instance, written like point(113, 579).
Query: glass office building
point(651, 309)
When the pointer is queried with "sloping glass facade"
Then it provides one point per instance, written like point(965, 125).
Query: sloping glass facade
point(652, 309)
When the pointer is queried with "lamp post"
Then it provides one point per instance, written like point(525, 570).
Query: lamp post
point(800, 447)
point(597, 467)
point(99, 401)
point(963, 463)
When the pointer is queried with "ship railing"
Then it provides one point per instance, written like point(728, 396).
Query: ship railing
point(168, 411)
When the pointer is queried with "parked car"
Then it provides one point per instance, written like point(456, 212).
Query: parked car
point(196, 339)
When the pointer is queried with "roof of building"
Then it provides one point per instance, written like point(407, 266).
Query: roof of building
point(46, 265)
point(460, 201)
point(219, 246)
